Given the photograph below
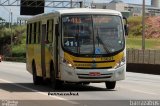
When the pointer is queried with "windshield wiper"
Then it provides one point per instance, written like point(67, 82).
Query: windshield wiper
point(100, 41)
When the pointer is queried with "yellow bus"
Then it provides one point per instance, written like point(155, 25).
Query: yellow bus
point(77, 46)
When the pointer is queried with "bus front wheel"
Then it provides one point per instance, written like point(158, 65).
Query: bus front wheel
point(110, 85)
point(36, 80)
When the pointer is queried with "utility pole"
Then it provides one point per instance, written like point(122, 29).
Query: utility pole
point(9, 19)
point(143, 26)
point(71, 3)
point(9, 11)
point(11, 32)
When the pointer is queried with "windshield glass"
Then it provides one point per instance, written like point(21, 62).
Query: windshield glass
point(92, 34)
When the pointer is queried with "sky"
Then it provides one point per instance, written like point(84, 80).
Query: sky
point(4, 10)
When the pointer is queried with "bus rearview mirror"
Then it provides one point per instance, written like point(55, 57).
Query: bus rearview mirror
point(125, 25)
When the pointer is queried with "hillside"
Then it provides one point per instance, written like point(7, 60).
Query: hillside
point(152, 27)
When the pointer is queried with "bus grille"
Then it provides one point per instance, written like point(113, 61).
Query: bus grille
point(93, 67)
point(87, 76)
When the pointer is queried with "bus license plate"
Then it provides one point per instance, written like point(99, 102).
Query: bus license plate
point(94, 74)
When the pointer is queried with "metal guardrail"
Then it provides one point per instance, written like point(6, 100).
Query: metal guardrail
point(143, 56)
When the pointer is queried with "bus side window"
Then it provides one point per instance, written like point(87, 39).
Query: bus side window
point(50, 33)
point(35, 34)
point(56, 30)
point(27, 34)
point(46, 38)
point(52, 30)
point(39, 31)
point(49, 37)
point(30, 33)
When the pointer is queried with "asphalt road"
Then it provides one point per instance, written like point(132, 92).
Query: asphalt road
point(16, 86)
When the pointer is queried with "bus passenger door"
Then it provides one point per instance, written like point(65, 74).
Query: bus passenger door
point(43, 65)
point(56, 55)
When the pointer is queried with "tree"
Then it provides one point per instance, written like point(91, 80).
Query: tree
point(1, 19)
point(2, 22)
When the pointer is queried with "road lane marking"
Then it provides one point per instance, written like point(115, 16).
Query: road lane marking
point(46, 94)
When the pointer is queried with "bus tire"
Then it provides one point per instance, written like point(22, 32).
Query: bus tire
point(36, 80)
point(110, 85)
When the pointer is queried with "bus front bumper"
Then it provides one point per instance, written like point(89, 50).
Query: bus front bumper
point(83, 75)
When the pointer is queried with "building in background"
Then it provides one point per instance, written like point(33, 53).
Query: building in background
point(128, 9)
point(22, 20)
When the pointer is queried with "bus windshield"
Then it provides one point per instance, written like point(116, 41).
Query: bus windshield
point(92, 34)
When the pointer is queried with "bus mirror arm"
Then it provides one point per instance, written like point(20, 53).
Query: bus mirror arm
point(126, 29)
point(126, 26)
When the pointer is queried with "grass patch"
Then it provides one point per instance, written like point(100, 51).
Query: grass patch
point(136, 43)
point(19, 50)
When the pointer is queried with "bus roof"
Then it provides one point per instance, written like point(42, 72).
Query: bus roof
point(76, 11)
point(88, 11)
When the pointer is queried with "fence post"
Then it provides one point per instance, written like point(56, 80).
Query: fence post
point(154, 56)
point(132, 56)
point(127, 58)
point(149, 53)
point(143, 56)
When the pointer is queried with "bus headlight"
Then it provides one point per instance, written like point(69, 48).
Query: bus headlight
point(69, 64)
point(120, 63)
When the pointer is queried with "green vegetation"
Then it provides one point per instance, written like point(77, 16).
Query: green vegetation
point(18, 41)
point(136, 43)
point(134, 40)
point(19, 50)
point(135, 26)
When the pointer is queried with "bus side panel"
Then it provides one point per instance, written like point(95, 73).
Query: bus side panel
point(48, 60)
point(30, 56)
point(37, 57)
point(33, 53)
